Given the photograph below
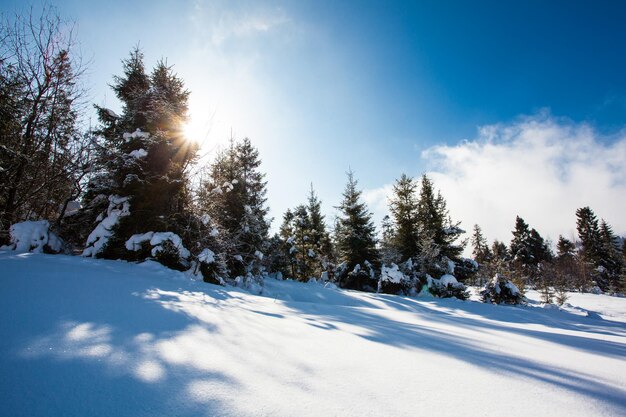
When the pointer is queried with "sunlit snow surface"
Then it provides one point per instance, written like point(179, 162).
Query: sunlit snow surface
point(86, 337)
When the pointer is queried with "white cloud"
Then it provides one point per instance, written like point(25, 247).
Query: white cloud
point(220, 22)
point(541, 168)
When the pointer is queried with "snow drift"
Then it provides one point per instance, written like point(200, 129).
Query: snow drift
point(82, 336)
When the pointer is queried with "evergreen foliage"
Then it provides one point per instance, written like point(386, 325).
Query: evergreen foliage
point(502, 291)
point(528, 252)
point(355, 237)
point(143, 155)
point(306, 243)
point(234, 197)
point(438, 233)
point(403, 207)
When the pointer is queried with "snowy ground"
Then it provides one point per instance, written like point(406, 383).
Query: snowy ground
point(84, 337)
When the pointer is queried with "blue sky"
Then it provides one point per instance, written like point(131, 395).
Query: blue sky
point(391, 87)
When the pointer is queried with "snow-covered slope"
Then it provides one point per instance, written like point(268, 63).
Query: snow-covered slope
point(85, 337)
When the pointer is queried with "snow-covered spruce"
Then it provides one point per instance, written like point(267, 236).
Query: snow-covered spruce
point(394, 281)
point(360, 278)
point(502, 291)
point(447, 287)
point(98, 238)
point(165, 247)
point(34, 236)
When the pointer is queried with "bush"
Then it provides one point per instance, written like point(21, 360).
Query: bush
point(362, 279)
point(502, 291)
point(393, 280)
point(210, 267)
point(447, 287)
point(34, 236)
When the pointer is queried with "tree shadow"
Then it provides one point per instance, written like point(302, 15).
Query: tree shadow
point(382, 329)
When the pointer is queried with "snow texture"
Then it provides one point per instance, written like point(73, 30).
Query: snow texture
point(207, 256)
point(111, 113)
point(156, 240)
point(392, 274)
point(139, 153)
point(34, 236)
point(118, 207)
point(83, 337)
point(137, 134)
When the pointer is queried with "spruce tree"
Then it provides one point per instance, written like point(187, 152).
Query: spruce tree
point(355, 238)
point(482, 255)
point(588, 235)
point(288, 247)
point(234, 197)
point(144, 159)
point(438, 233)
point(404, 209)
point(480, 251)
point(528, 252)
point(388, 252)
point(610, 264)
point(320, 239)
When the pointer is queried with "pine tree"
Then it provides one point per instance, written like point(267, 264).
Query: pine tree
point(567, 272)
point(438, 233)
point(482, 255)
point(610, 264)
point(403, 207)
point(305, 253)
point(146, 156)
point(321, 243)
point(388, 251)
point(588, 234)
point(565, 248)
point(355, 237)
point(480, 252)
point(288, 247)
point(520, 248)
point(234, 197)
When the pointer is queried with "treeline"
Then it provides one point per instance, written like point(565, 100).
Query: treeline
point(131, 189)
point(596, 261)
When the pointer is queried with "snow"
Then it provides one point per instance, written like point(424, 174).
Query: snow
point(33, 236)
point(118, 207)
point(259, 255)
point(448, 279)
point(139, 153)
point(137, 134)
point(111, 113)
point(207, 256)
point(134, 242)
point(156, 240)
point(392, 274)
point(82, 336)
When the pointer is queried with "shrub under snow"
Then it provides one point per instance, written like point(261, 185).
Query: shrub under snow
point(34, 236)
point(394, 281)
point(446, 287)
point(209, 267)
point(502, 291)
point(165, 247)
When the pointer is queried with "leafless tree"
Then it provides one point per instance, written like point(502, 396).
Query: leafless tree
point(43, 156)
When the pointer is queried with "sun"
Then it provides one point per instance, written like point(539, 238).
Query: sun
point(194, 131)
